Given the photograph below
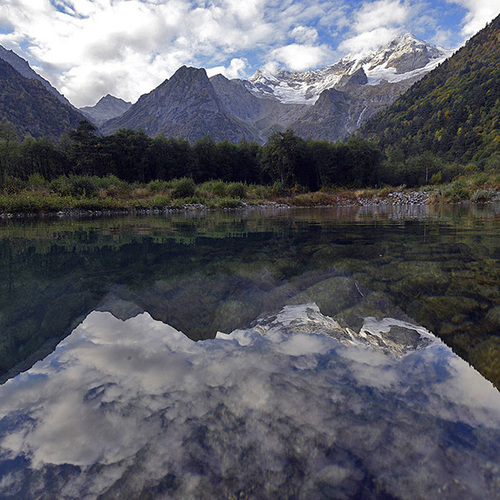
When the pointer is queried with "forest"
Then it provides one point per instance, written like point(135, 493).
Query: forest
point(453, 113)
point(130, 171)
point(132, 156)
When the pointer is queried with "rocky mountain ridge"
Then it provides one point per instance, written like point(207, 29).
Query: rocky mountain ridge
point(328, 103)
point(185, 106)
point(23, 68)
point(31, 108)
point(107, 107)
point(404, 58)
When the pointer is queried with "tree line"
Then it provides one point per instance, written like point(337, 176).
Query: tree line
point(133, 156)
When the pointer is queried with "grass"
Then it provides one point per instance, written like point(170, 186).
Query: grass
point(37, 195)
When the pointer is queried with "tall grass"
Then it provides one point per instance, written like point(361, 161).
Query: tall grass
point(37, 195)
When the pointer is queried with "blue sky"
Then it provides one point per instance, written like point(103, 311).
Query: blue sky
point(89, 48)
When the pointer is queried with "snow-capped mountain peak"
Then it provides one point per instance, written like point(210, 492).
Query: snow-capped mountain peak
point(406, 57)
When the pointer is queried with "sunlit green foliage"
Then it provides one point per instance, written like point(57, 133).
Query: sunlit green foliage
point(453, 113)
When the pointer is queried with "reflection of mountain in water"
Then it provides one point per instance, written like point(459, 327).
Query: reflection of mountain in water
point(202, 307)
point(319, 387)
point(135, 409)
point(441, 269)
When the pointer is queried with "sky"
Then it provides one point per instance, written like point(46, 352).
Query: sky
point(90, 48)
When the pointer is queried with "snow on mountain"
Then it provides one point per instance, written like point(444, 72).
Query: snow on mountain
point(404, 58)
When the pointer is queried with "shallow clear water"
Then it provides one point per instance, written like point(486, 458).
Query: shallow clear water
point(325, 379)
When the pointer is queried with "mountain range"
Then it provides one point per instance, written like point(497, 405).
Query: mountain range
point(451, 107)
point(328, 103)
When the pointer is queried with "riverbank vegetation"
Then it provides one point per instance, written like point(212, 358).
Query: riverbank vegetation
point(131, 171)
point(93, 193)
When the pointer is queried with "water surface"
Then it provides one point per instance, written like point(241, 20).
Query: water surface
point(319, 375)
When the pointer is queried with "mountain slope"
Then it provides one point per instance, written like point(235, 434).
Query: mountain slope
point(185, 106)
point(22, 67)
point(32, 108)
point(329, 103)
point(107, 108)
point(454, 111)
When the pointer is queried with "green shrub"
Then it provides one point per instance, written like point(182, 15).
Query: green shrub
point(258, 191)
point(160, 201)
point(36, 181)
point(236, 190)
point(457, 190)
point(183, 188)
point(158, 186)
point(13, 185)
point(483, 195)
point(61, 185)
point(436, 178)
point(278, 189)
point(83, 186)
point(217, 187)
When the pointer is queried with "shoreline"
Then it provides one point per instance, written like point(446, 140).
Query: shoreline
point(109, 196)
point(183, 196)
point(269, 205)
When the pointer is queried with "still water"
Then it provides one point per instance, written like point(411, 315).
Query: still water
point(331, 353)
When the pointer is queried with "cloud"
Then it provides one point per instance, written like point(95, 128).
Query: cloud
point(87, 48)
point(479, 13)
point(82, 46)
point(369, 40)
point(381, 14)
point(377, 23)
point(300, 57)
point(304, 34)
point(236, 69)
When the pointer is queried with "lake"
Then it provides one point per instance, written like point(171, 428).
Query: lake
point(316, 353)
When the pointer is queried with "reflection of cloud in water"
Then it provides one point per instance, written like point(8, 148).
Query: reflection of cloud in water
point(135, 408)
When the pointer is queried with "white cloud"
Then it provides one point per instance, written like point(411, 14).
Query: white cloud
point(236, 69)
point(376, 23)
point(87, 48)
point(381, 14)
point(369, 40)
point(304, 34)
point(441, 38)
point(297, 57)
point(480, 12)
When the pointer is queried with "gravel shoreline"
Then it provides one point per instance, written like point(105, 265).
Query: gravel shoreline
point(395, 198)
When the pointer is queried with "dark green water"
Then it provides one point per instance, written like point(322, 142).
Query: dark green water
point(440, 265)
point(285, 354)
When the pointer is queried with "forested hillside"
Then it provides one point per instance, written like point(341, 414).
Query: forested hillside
point(31, 108)
point(453, 113)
